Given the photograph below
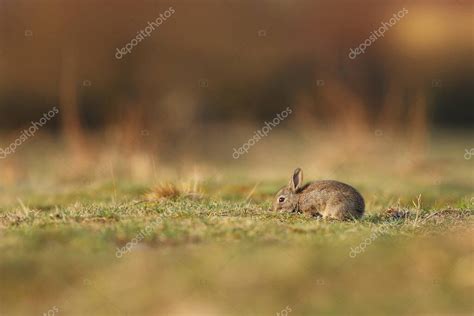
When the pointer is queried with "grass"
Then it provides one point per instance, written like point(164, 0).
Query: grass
point(212, 247)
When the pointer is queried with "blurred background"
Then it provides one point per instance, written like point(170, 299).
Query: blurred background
point(214, 72)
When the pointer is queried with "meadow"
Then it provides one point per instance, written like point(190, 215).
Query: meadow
point(142, 144)
point(130, 235)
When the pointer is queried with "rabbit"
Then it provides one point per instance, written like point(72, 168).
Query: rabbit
point(327, 198)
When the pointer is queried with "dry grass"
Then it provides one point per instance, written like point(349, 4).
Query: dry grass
point(171, 191)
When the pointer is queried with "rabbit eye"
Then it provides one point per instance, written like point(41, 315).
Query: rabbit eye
point(281, 199)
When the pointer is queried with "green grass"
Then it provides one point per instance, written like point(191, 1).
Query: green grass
point(227, 254)
point(220, 257)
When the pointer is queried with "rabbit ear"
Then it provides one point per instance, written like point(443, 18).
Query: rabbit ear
point(296, 180)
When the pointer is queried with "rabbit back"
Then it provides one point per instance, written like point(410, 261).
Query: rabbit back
point(331, 199)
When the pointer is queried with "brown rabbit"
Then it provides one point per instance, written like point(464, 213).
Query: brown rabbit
point(326, 198)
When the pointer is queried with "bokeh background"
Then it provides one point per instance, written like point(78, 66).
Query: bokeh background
point(215, 71)
point(215, 65)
